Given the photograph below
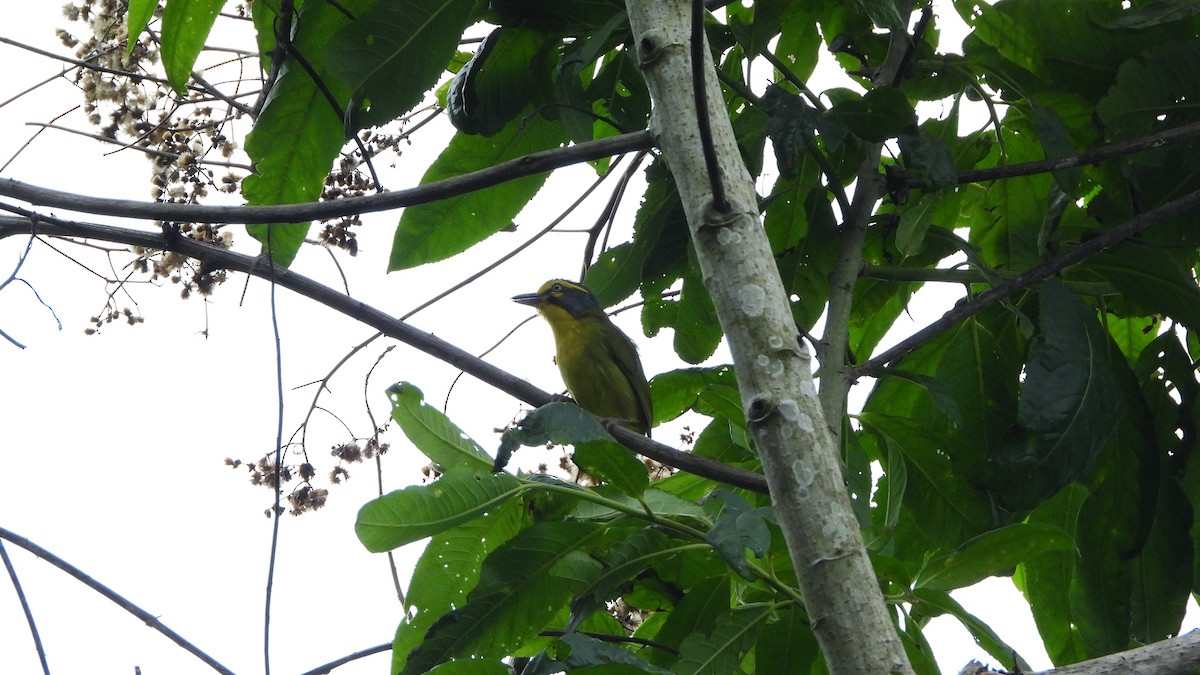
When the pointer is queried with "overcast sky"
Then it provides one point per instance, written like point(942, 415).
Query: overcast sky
point(113, 445)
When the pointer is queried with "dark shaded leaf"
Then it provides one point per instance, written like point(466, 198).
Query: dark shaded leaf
point(392, 53)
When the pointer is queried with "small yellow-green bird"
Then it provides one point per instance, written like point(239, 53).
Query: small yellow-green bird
point(599, 363)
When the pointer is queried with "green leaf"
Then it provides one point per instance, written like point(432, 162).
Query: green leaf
point(185, 28)
point(928, 158)
point(619, 271)
point(1011, 38)
point(573, 651)
point(695, 614)
point(136, 18)
point(447, 570)
point(1046, 580)
point(991, 554)
point(1155, 13)
point(596, 452)
point(522, 585)
point(755, 26)
point(883, 13)
point(722, 650)
point(433, 433)
point(739, 527)
point(392, 53)
point(984, 635)
point(1149, 88)
point(299, 132)
point(472, 667)
point(939, 393)
point(1162, 573)
point(419, 511)
point(1153, 279)
point(1108, 524)
point(786, 646)
point(881, 114)
point(677, 391)
point(697, 329)
point(940, 506)
point(1056, 140)
point(438, 230)
point(1070, 403)
point(508, 73)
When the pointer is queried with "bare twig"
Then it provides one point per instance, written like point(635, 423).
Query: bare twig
point(699, 76)
point(16, 582)
point(328, 667)
point(146, 617)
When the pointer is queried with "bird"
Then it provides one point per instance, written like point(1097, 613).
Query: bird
point(599, 364)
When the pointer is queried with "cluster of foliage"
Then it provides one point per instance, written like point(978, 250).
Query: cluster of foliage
point(1049, 436)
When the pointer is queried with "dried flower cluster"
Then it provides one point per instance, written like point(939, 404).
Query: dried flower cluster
point(305, 496)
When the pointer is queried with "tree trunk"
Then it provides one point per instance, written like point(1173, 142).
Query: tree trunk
point(799, 455)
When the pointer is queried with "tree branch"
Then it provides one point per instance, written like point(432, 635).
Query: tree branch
point(1179, 654)
point(832, 350)
point(148, 618)
point(1026, 279)
point(216, 257)
point(538, 162)
point(1112, 151)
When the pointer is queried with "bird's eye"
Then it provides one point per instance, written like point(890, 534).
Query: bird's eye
point(557, 288)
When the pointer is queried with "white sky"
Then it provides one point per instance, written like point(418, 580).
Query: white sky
point(113, 445)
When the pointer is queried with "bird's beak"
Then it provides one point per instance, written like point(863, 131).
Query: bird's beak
point(531, 299)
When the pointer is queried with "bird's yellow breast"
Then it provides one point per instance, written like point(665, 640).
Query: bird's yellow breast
point(588, 365)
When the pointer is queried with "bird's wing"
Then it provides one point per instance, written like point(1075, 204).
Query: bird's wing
point(625, 355)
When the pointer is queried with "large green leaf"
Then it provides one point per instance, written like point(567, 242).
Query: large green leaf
point(1149, 89)
point(697, 329)
point(392, 53)
point(618, 271)
point(185, 28)
point(136, 18)
point(786, 646)
point(881, 114)
point(1107, 534)
point(936, 602)
point(940, 507)
point(722, 650)
point(1153, 279)
point(438, 230)
point(695, 613)
point(991, 554)
point(1010, 37)
point(1046, 580)
point(447, 570)
point(508, 73)
point(1162, 574)
point(299, 131)
point(574, 651)
point(433, 433)
point(1070, 404)
point(522, 585)
point(419, 511)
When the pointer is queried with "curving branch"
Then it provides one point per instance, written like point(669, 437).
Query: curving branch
point(1028, 278)
point(538, 162)
point(1100, 154)
point(215, 257)
point(147, 617)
